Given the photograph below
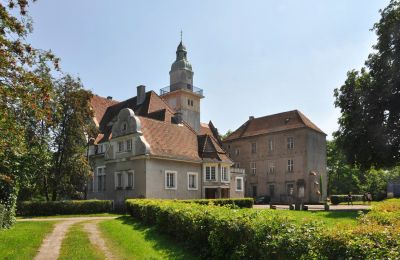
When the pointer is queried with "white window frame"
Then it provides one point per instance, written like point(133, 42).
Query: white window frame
point(121, 146)
point(253, 168)
point(290, 142)
point(270, 145)
point(96, 182)
point(128, 145)
point(224, 174)
point(175, 174)
point(196, 180)
point(236, 184)
point(215, 175)
point(271, 167)
point(290, 165)
point(116, 175)
point(132, 186)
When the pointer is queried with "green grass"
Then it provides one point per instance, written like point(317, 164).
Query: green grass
point(23, 240)
point(74, 216)
point(329, 218)
point(128, 239)
point(76, 245)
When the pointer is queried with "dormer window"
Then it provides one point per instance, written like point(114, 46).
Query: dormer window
point(124, 126)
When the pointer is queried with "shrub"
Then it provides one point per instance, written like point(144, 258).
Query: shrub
point(8, 198)
point(241, 202)
point(224, 233)
point(336, 199)
point(2, 211)
point(385, 213)
point(46, 208)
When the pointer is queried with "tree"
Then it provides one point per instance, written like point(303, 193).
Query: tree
point(369, 125)
point(226, 134)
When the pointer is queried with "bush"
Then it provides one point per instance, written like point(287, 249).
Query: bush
point(336, 199)
point(47, 208)
point(224, 233)
point(8, 198)
point(2, 211)
point(241, 202)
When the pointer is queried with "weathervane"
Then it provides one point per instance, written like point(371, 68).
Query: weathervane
point(181, 35)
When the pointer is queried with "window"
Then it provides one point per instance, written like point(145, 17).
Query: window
point(190, 102)
point(290, 165)
point(290, 143)
point(120, 146)
point(100, 148)
point(170, 180)
point(270, 145)
point(237, 165)
point(124, 127)
point(271, 191)
point(120, 181)
point(271, 168)
point(224, 174)
point(129, 145)
point(254, 191)
point(101, 179)
point(210, 173)
point(290, 189)
point(253, 147)
point(237, 151)
point(253, 167)
point(239, 183)
point(192, 180)
point(130, 180)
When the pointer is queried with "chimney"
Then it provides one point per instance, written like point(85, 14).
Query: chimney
point(109, 97)
point(141, 94)
point(177, 119)
point(251, 117)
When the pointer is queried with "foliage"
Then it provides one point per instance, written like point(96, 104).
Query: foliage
point(336, 199)
point(23, 240)
point(240, 202)
point(384, 213)
point(46, 208)
point(2, 211)
point(224, 233)
point(369, 131)
point(224, 136)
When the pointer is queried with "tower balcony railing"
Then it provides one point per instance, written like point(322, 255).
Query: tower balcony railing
point(192, 88)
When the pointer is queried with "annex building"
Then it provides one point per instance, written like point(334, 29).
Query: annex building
point(154, 145)
point(284, 156)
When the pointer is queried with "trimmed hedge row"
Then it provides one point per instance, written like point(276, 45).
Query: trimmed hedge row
point(47, 208)
point(240, 202)
point(224, 233)
point(336, 199)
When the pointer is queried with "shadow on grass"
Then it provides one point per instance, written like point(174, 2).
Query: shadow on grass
point(349, 214)
point(172, 248)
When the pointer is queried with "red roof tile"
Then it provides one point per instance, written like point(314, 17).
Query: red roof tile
point(99, 106)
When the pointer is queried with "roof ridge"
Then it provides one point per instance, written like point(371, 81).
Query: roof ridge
point(171, 109)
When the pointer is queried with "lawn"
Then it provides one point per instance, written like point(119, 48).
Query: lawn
point(23, 240)
point(128, 239)
point(76, 245)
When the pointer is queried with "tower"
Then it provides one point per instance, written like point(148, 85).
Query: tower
point(181, 95)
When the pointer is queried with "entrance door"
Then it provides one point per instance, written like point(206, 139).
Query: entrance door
point(211, 193)
point(225, 193)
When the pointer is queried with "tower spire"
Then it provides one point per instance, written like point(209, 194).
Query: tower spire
point(181, 35)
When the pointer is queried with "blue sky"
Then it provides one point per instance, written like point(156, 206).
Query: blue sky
point(250, 57)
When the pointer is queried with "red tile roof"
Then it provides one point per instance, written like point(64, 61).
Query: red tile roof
point(99, 106)
point(273, 123)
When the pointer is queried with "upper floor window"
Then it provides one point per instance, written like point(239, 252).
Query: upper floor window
point(290, 143)
point(224, 174)
point(237, 165)
point(170, 180)
point(237, 151)
point(100, 148)
point(192, 180)
point(210, 173)
point(239, 183)
point(290, 165)
point(253, 167)
point(124, 126)
point(271, 168)
point(129, 145)
point(253, 147)
point(270, 145)
point(190, 102)
point(120, 146)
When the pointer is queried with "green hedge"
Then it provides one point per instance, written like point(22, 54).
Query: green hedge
point(47, 208)
point(241, 203)
point(2, 211)
point(336, 199)
point(223, 233)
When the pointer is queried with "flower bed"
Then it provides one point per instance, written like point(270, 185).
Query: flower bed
point(225, 233)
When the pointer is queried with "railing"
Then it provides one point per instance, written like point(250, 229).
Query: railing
point(238, 170)
point(192, 88)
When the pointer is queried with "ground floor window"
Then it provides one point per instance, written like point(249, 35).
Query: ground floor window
point(192, 181)
point(289, 189)
point(130, 180)
point(239, 183)
point(224, 174)
point(101, 179)
point(254, 191)
point(170, 180)
point(271, 191)
point(210, 173)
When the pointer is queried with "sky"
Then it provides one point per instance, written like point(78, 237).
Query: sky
point(251, 58)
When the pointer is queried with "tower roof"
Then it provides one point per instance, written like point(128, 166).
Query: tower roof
point(181, 62)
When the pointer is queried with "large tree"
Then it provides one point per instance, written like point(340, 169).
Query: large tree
point(369, 125)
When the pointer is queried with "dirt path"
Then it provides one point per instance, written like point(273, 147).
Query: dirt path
point(50, 248)
point(96, 238)
point(51, 245)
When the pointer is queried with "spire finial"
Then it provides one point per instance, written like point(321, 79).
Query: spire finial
point(181, 35)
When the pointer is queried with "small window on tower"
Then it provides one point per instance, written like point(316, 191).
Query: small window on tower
point(191, 102)
point(188, 102)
